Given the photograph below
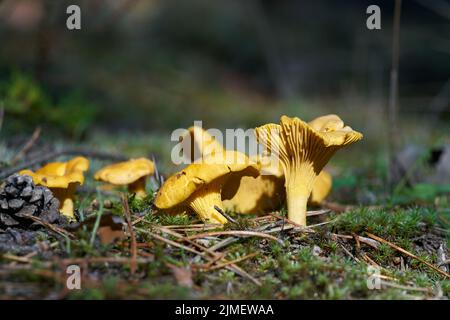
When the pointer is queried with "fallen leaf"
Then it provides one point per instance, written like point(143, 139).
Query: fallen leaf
point(110, 228)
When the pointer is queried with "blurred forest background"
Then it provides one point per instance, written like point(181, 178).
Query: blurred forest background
point(139, 69)
point(142, 68)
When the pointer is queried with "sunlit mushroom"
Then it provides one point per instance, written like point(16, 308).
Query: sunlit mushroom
point(61, 178)
point(198, 143)
point(255, 195)
point(132, 173)
point(267, 192)
point(199, 185)
point(321, 189)
point(303, 150)
point(247, 194)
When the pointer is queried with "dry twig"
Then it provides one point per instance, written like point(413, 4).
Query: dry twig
point(236, 233)
point(215, 256)
point(34, 137)
point(126, 209)
point(51, 227)
point(370, 242)
point(221, 265)
point(408, 254)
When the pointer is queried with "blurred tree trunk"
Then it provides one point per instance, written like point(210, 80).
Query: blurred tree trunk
point(271, 48)
point(43, 43)
point(394, 136)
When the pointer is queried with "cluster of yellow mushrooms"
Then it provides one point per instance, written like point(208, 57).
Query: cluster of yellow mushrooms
point(225, 180)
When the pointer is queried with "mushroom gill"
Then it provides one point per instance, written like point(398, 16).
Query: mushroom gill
point(303, 150)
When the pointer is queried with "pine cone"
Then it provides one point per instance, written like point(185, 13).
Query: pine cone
point(19, 197)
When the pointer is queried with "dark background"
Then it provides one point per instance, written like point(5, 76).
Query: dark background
point(154, 66)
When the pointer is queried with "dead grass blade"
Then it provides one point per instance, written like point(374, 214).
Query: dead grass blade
point(168, 241)
point(408, 288)
point(236, 233)
point(349, 253)
point(28, 145)
point(51, 227)
point(227, 216)
point(126, 209)
point(299, 227)
point(15, 258)
point(317, 212)
point(221, 265)
point(244, 274)
point(112, 260)
point(186, 239)
point(370, 242)
point(216, 256)
point(445, 274)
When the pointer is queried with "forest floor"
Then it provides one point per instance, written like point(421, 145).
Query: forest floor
point(126, 250)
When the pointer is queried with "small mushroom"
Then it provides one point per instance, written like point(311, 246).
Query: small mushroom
point(62, 178)
point(255, 195)
point(242, 194)
point(321, 189)
point(303, 149)
point(198, 143)
point(248, 194)
point(131, 173)
point(267, 192)
point(199, 185)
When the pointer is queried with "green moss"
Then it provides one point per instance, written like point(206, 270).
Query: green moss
point(140, 205)
point(397, 223)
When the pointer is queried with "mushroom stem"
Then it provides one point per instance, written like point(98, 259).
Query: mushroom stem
point(138, 188)
point(296, 206)
point(299, 184)
point(203, 203)
point(65, 197)
point(66, 208)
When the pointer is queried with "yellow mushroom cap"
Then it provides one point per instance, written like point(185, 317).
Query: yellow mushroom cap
point(127, 172)
point(333, 132)
point(315, 141)
point(60, 174)
point(199, 143)
point(180, 186)
point(326, 123)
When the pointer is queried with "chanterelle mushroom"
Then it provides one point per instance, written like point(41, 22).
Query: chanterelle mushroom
point(61, 178)
point(198, 143)
point(255, 194)
point(242, 194)
point(322, 187)
point(267, 192)
point(198, 186)
point(131, 173)
point(303, 150)
point(248, 194)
